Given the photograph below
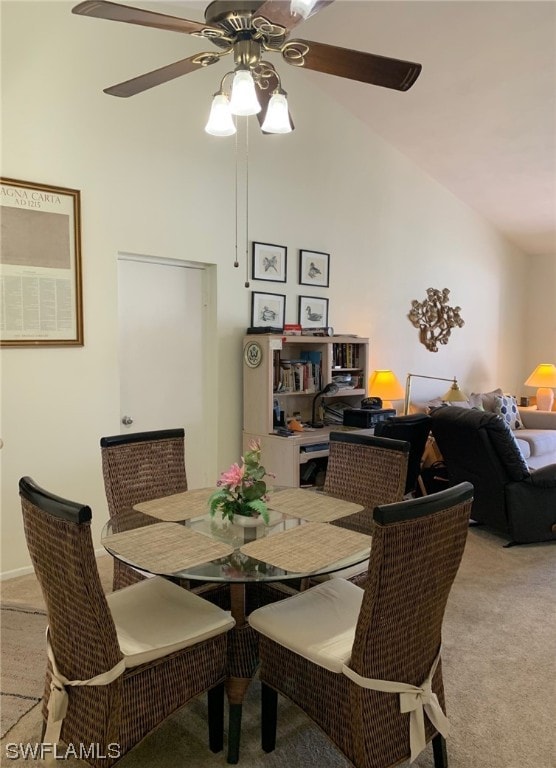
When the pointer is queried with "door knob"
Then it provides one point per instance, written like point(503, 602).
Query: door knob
point(127, 420)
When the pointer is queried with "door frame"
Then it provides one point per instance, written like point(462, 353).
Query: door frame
point(209, 364)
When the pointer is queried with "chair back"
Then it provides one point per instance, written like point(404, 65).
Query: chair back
point(142, 466)
point(415, 428)
point(479, 447)
point(365, 470)
point(82, 631)
point(417, 548)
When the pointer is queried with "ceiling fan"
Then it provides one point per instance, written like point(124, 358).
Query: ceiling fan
point(249, 29)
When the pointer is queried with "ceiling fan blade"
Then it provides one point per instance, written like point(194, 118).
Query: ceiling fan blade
point(355, 65)
point(263, 95)
point(280, 12)
point(103, 9)
point(156, 77)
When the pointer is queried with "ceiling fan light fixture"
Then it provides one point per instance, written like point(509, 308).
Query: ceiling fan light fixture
point(244, 101)
point(277, 118)
point(302, 7)
point(220, 122)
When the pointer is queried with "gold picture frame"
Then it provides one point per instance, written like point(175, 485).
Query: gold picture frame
point(40, 265)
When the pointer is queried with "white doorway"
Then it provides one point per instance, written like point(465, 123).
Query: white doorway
point(165, 332)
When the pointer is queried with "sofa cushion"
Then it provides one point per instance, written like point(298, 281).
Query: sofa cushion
point(540, 441)
point(506, 407)
point(524, 447)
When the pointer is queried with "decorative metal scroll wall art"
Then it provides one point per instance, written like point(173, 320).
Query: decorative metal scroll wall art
point(434, 318)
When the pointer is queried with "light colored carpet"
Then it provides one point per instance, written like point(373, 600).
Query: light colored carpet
point(22, 635)
point(499, 669)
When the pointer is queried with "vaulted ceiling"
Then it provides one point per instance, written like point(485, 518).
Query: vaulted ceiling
point(481, 118)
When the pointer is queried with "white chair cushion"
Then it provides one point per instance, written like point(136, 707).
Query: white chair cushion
point(318, 624)
point(345, 573)
point(155, 617)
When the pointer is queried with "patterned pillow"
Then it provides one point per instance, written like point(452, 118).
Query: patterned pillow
point(506, 407)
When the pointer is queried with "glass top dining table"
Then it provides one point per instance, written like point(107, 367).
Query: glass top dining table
point(242, 551)
point(251, 560)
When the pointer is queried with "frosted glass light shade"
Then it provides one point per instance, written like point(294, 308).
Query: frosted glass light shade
point(277, 118)
point(543, 377)
point(303, 8)
point(244, 100)
point(385, 385)
point(220, 122)
point(455, 395)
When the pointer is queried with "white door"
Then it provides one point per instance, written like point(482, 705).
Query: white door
point(162, 308)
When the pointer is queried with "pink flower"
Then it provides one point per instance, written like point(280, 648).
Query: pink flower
point(233, 476)
point(255, 444)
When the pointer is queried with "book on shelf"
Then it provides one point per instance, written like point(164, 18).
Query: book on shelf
point(345, 355)
point(292, 329)
point(334, 412)
point(301, 374)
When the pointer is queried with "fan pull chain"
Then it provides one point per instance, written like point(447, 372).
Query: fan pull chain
point(247, 202)
point(236, 262)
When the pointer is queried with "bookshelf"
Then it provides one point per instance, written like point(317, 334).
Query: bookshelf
point(283, 374)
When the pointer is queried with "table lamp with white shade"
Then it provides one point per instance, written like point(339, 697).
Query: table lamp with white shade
point(385, 385)
point(543, 377)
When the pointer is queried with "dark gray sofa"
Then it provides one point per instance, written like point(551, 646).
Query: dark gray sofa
point(509, 497)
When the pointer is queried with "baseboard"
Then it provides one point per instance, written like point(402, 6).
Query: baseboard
point(26, 570)
point(16, 572)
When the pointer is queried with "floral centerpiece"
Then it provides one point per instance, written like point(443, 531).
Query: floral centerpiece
point(242, 490)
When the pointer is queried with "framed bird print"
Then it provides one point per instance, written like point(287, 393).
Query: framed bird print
point(314, 268)
point(269, 262)
point(313, 312)
point(268, 309)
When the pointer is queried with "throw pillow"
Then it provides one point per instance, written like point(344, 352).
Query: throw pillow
point(506, 407)
point(484, 400)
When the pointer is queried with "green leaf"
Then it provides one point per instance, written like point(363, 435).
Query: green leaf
point(255, 491)
point(217, 499)
point(258, 505)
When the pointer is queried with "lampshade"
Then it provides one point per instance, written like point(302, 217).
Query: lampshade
point(244, 100)
point(277, 118)
point(385, 385)
point(303, 8)
point(220, 122)
point(454, 394)
point(543, 377)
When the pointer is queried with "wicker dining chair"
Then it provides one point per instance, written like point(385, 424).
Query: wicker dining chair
point(365, 664)
point(141, 466)
point(154, 645)
point(365, 470)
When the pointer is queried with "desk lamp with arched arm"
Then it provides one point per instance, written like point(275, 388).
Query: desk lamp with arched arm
point(453, 395)
point(329, 389)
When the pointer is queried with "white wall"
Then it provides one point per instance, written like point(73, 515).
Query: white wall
point(153, 182)
point(540, 315)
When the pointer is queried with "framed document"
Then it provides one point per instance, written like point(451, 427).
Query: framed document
point(40, 265)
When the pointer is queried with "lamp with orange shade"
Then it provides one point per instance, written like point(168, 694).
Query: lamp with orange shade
point(543, 377)
point(385, 385)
